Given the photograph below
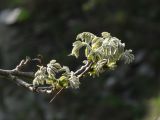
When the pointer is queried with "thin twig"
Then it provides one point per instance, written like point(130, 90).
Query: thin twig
point(82, 69)
point(30, 87)
point(22, 64)
point(17, 73)
point(86, 70)
point(55, 95)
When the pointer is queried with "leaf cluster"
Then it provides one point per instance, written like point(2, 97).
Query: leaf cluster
point(102, 53)
point(49, 76)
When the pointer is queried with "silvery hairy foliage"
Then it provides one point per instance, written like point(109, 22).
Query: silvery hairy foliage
point(102, 53)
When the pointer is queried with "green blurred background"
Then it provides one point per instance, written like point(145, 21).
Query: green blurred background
point(48, 27)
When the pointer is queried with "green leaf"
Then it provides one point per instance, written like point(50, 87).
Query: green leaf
point(57, 65)
point(87, 50)
point(63, 81)
point(105, 35)
point(52, 61)
point(54, 64)
point(41, 71)
point(99, 39)
point(40, 76)
point(35, 81)
point(65, 69)
point(127, 56)
point(99, 66)
point(77, 45)
point(74, 81)
point(52, 68)
point(50, 81)
point(112, 65)
point(51, 72)
point(86, 37)
point(96, 43)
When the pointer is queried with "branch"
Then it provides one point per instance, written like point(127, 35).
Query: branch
point(22, 83)
point(14, 72)
point(17, 71)
point(86, 68)
point(79, 71)
point(101, 53)
point(15, 75)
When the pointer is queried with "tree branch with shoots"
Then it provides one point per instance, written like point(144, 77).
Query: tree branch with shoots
point(101, 54)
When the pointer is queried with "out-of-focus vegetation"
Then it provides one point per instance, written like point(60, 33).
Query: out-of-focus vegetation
point(48, 27)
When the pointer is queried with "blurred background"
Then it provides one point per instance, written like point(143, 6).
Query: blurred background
point(48, 27)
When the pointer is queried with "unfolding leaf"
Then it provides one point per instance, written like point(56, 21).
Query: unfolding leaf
point(87, 50)
point(86, 37)
point(52, 68)
point(40, 76)
point(77, 45)
point(105, 35)
point(96, 43)
point(65, 69)
point(127, 56)
point(63, 81)
point(74, 81)
point(99, 66)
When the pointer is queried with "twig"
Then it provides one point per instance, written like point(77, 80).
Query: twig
point(79, 71)
point(87, 68)
point(30, 87)
point(55, 95)
point(22, 64)
point(17, 73)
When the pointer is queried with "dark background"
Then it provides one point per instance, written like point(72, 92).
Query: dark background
point(48, 27)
